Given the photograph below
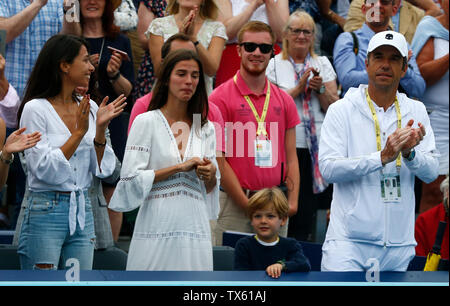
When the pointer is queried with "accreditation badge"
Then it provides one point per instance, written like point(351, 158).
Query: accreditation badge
point(263, 153)
point(390, 188)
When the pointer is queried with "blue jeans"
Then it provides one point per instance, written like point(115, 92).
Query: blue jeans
point(45, 237)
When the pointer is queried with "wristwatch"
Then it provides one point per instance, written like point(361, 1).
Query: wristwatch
point(6, 161)
point(114, 78)
point(321, 90)
point(411, 155)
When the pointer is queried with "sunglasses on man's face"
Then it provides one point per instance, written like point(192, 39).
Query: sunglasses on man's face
point(382, 2)
point(250, 47)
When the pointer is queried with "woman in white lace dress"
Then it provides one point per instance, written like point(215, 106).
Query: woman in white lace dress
point(197, 19)
point(169, 171)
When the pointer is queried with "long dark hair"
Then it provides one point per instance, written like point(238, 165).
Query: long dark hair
point(109, 28)
point(198, 104)
point(45, 80)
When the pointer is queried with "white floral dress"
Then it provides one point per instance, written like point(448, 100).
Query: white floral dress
point(172, 227)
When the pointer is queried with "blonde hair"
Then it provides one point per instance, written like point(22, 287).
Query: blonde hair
point(208, 9)
point(304, 18)
point(255, 27)
point(269, 197)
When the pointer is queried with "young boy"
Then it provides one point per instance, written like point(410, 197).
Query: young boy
point(268, 211)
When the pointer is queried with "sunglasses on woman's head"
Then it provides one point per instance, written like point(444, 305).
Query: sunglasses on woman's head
point(250, 47)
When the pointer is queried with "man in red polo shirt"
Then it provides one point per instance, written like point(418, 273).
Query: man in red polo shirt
point(260, 122)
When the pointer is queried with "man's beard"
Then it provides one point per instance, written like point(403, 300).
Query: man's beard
point(255, 72)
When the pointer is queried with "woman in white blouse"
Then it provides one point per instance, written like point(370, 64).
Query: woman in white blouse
point(311, 81)
point(197, 19)
point(169, 172)
point(58, 221)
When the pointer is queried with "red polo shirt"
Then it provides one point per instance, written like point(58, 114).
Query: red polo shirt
point(241, 126)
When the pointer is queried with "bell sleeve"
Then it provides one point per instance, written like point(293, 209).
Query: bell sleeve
point(209, 151)
point(136, 179)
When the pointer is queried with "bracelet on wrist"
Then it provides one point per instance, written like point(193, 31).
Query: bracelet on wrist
point(6, 161)
point(98, 144)
point(114, 77)
point(282, 263)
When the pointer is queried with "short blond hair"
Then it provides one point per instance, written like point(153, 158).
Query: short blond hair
point(256, 27)
point(208, 9)
point(304, 18)
point(269, 197)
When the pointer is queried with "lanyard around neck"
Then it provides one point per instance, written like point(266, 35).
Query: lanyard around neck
point(377, 125)
point(262, 119)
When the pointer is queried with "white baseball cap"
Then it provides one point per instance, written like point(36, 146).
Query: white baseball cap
point(389, 38)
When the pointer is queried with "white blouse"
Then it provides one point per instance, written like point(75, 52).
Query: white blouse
point(47, 167)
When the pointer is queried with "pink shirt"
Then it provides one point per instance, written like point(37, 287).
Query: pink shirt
point(241, 126)
point(214, 115)
point(9, 107)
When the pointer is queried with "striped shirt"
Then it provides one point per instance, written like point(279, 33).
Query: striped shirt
point(22, 52)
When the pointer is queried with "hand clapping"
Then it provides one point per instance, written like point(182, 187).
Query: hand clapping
point(18, 141)
point(107, 112)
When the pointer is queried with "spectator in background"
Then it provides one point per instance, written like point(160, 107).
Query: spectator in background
point(113, 75)
point(28, 26)
point(235, 14)
point(146, 76)
point(169, 172)
point(9, 104)
point(338, 17)
point(431, 7)
point(404, 21)
point(350, 51)
point(267, 250)
point(9, 99)
point(333, 17)
point(16, 142)
point(311, 81)
point(310, 6)
point(260, 147)
point(431, 45)
point(198, 20)
point(427, 224)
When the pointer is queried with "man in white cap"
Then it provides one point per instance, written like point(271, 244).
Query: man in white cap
point(374, 142)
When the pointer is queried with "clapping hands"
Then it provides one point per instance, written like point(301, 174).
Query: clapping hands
point(107, 112)
point(18, 141)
